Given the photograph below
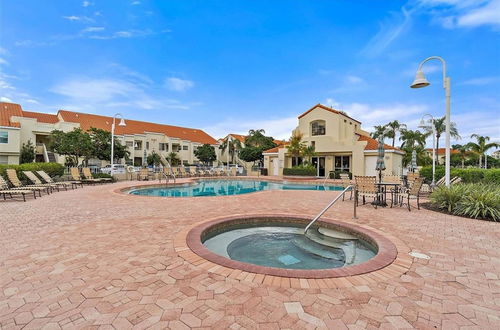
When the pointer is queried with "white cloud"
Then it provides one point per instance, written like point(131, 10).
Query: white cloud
point(5, 99)
point(329, 102)
point(93, 29)
point(135, 3)
point(86, 3)
point(3, 51)
point(127, 34)
point(3, 61)
point(178, 84)
point(277, 128)
point(354, 79)
point(72, 18)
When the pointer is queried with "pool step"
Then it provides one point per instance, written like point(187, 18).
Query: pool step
point(348, 246)
point(336, 234)
point(319, 249)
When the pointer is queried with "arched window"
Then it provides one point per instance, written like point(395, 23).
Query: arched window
point(318, 127)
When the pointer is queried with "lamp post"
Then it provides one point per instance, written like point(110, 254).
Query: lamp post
point(419, 82)
point(122, 124)
point(422, 125)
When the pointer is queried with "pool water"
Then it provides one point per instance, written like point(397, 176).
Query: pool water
point(225, 188)
point(287, 247)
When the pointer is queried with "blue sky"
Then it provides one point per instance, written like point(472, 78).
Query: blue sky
point(230, 66)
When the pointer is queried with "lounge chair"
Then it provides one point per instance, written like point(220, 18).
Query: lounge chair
point(5, 190)
point(14, 180)
point(36, 181)
point(143, 174)
point(88, 175)
point(45, 177)
point(413, 192)
point(366, 187)
point(75, 174)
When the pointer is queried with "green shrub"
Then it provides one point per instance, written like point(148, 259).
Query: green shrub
point(468, 175)
point(302, 170)
point(492, 175)
point(52, 169)
point(477, 200)
point(336, 174)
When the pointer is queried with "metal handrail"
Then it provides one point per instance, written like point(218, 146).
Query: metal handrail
point(331, 204)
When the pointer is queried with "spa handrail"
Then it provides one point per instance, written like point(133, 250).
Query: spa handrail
point(330, 205)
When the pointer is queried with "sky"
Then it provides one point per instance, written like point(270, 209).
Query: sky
point(231, 66)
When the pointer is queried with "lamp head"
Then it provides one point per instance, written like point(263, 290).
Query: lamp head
point(420, 80)
point(422, 123)
point(122, 122)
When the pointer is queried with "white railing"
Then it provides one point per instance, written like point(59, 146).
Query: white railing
point(331, 204)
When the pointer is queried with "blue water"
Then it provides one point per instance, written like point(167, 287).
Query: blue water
point(225, 188)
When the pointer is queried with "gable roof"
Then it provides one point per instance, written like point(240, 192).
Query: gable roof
point(372, 144)
point(275, 149)
point(41, 117)
point(238, 137)
point(324, 107)
point(87, 121)
point(7, 110)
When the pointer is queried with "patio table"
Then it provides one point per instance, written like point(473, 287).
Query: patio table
point(382, 188)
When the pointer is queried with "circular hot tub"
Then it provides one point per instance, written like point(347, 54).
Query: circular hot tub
point(277, 245)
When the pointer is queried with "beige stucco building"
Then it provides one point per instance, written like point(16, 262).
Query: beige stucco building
point(141, 138)
point(340, 144)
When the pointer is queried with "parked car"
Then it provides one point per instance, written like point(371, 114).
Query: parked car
point(117, 169)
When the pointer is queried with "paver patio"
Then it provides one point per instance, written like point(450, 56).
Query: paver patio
point(93, 258)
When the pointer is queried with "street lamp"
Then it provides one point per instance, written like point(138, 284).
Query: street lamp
point(419, 82)
point(122, 124)
point(422, 125)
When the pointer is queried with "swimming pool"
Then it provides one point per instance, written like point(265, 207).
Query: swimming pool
point(225, 188)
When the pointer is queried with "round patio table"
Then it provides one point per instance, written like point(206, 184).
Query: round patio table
point(382, 187)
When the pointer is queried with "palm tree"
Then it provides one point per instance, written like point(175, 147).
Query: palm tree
point(232, 146)
point(463, 151)
point(412, 138)
point(309, 152)
point(423, 158)
point(380, 131)
point(392, 128)
point(173, 158)
point(296, 146)
point(440, 127)
point(481, 147)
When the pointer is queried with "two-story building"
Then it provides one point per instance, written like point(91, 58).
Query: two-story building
point(340, 144)
point(141, 138)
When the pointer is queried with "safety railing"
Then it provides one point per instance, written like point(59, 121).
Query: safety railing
point(348, 188)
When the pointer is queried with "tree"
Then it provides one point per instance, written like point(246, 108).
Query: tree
point(412, 138)
point(440, 128)
point(153, 159)
point(256, 138)
point(463, 152)
point(380, 131)
point(173, 158)
point(423, 158)
point(481, 146)
point(251, 154)
point(205, 153)
point(74, 144)
point(309, 152)
point(27, 154)
point(296, 146)
point(232, 146)
point(101, 143)
point(392, 128)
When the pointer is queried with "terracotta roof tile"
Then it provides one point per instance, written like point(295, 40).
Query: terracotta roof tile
point(324, 107)
point(372, 144)
point(441, 151)
point(87, 121)
point(41, 117)
point(276, 149)
point(239, 137)
point(7, 110)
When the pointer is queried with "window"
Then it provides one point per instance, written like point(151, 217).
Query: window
point(4, 137)
point(138, 145)
point(313, 144)
point(342, 163)
point(163, 146)
point(296, 161)
point(147, 145)
point(129, 144)
point(185, 148)
point(4, 159)
point(318, 127)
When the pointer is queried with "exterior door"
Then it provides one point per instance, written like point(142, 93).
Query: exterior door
point(276, 166)
point(319, 164)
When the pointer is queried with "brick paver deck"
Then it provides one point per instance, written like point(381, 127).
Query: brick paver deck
point(93, 258)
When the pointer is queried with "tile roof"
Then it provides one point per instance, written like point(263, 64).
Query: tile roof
point(276, 149)
point(441, 151)
point(372, 144)
point(41, 117)
point(8, 110)
point(324, 107)
point(239, 137)
point(87, 121)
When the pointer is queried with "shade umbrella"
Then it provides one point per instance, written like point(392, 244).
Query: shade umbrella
point(414, 160)
point(380, 158)
point(144, 159)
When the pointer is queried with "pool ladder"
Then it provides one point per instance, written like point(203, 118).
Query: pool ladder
point(348, 188)
point(167, 177)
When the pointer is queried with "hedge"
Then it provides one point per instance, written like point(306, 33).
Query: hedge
point(301, 171)
point(336, 174)
point(52, 169)
point(468, 175)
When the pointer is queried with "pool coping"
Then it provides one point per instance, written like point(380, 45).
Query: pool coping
point(392, 259)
